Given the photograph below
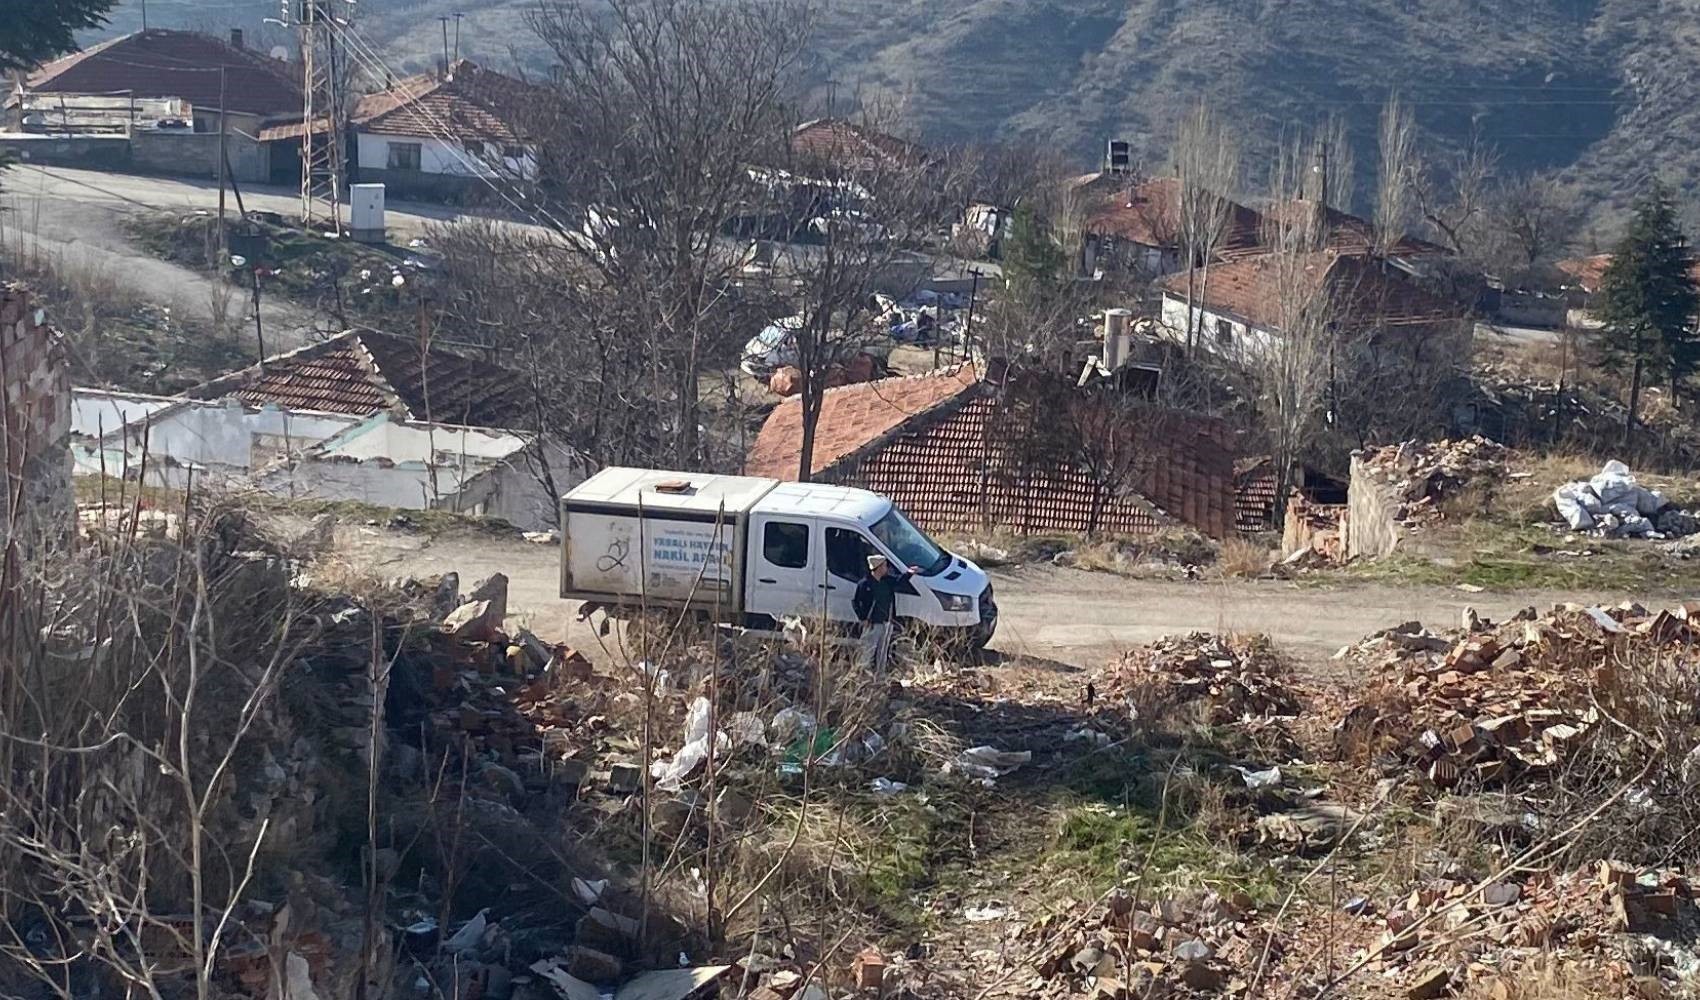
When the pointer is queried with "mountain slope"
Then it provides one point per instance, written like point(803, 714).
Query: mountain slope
point(1597, 87)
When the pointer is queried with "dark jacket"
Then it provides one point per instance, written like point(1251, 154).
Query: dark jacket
point(876, 600)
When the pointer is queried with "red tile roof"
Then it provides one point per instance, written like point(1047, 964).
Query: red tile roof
point(852, 418)
point(1363, 288)
point(1148, 213)
point(364, 372)
point(1347, 233)
point(939, 445)
point(471, 102)
point(184, 64)
point(848, 144)
point(1588, 272)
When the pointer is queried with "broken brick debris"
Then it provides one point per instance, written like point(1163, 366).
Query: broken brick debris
point(1234, 677)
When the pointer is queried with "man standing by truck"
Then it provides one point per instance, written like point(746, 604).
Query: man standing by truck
point(875, 604)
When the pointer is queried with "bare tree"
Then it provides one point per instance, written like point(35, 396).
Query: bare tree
point(1453, 199)
point(1292, 361)
point(1336, 166)
point(1207, 164)
point(1534, 218)
point(1395, 193)
point(660, 106)
point(862, 233)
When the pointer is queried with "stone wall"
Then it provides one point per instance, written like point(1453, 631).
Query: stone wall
point(35, 403)
point(1371, 528)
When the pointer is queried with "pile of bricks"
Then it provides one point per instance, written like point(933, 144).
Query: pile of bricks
point(1489, 702)
point(1161, 947)
point(1424, 473)
point(1234, 677)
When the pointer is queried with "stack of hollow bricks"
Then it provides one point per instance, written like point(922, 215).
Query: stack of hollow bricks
point(35, 403)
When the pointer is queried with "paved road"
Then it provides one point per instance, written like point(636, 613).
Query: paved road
point(1070, 616)
point(74, 219)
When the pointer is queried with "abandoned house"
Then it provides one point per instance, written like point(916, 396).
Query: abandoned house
point(1018, 449)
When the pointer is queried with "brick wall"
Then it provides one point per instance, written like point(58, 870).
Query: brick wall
point(35, 403)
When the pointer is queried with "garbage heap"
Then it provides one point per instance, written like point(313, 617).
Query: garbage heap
point(1486, 703)
point(1613, 505)
point(1230, 677)
point(1422, 474)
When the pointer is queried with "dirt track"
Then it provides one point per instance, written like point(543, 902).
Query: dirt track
point(1071, 616)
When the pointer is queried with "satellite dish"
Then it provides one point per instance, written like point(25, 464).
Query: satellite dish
point(280, 53)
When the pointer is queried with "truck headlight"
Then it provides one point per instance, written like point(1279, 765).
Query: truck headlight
point(956, 602)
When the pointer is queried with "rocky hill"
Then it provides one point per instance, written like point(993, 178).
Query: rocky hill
point(1591, 86)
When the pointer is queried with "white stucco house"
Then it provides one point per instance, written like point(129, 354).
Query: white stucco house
point(1376, 305)
point(445, 135)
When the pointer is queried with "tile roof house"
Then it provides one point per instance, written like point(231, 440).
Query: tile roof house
point(446, 135)
point(1142, 221)
point(182, 65)
point(1346, 233)
point(1239, 304)
point(852, 146)
point(363, 372)
point(947, 446)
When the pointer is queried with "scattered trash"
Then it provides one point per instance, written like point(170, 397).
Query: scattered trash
point(885, 786)
point(1612, 504)
point(469, 934)
point(1267, 778)
point(987, 764)
point(984, 914)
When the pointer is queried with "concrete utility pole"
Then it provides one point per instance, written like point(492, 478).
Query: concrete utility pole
point(444, 19)
point(223, 136)
point(458, 16)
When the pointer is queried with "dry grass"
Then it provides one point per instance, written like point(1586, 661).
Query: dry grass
point(1243, 557)
point(1548, 977)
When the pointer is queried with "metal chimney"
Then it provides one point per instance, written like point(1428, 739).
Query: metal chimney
point(1118, 337)
point(236, 38)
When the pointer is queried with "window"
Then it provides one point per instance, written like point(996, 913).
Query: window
point(847, 553)
point(514, 152)
point(785, 545)
point(910, 544)
point(474, 147)
point(404, 156)
point(1224, 332)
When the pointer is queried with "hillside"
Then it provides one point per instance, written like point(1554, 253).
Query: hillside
point(1592, 86)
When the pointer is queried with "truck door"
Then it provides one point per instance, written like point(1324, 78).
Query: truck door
point(785, 567)
point(847, 552)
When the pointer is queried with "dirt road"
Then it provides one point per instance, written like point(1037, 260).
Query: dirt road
point(1070, 616)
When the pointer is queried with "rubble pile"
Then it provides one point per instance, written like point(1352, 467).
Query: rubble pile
point(1236, 677)
point(1424, 473)
point(1628, 927)
point(1487, 702)
point(1165, 947)
point(1613, 505)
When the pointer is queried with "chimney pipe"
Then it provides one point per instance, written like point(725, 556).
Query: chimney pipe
point(236, 38)
point(1118, 340)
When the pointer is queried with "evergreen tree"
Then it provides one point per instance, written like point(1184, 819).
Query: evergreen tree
point(1033, 263)
point(34, 31)
point(1647, 302)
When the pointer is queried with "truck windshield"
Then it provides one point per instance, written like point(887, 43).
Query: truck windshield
point(910, 544)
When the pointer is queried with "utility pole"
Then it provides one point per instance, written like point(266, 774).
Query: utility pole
point(320, 85)
point(223, 136)
point(444, 20)
point(144, 15)
point(458, 16)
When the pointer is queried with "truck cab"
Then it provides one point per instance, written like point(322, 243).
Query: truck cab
point(755, 551)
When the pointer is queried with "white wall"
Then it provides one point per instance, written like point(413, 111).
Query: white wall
point(1218, 332)
point(224, 438)
point(439, 157)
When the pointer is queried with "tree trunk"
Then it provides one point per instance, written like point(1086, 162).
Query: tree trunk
point(1191, 310)
point(1634, 400)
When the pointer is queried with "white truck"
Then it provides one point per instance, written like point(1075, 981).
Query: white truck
point(752, 552)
